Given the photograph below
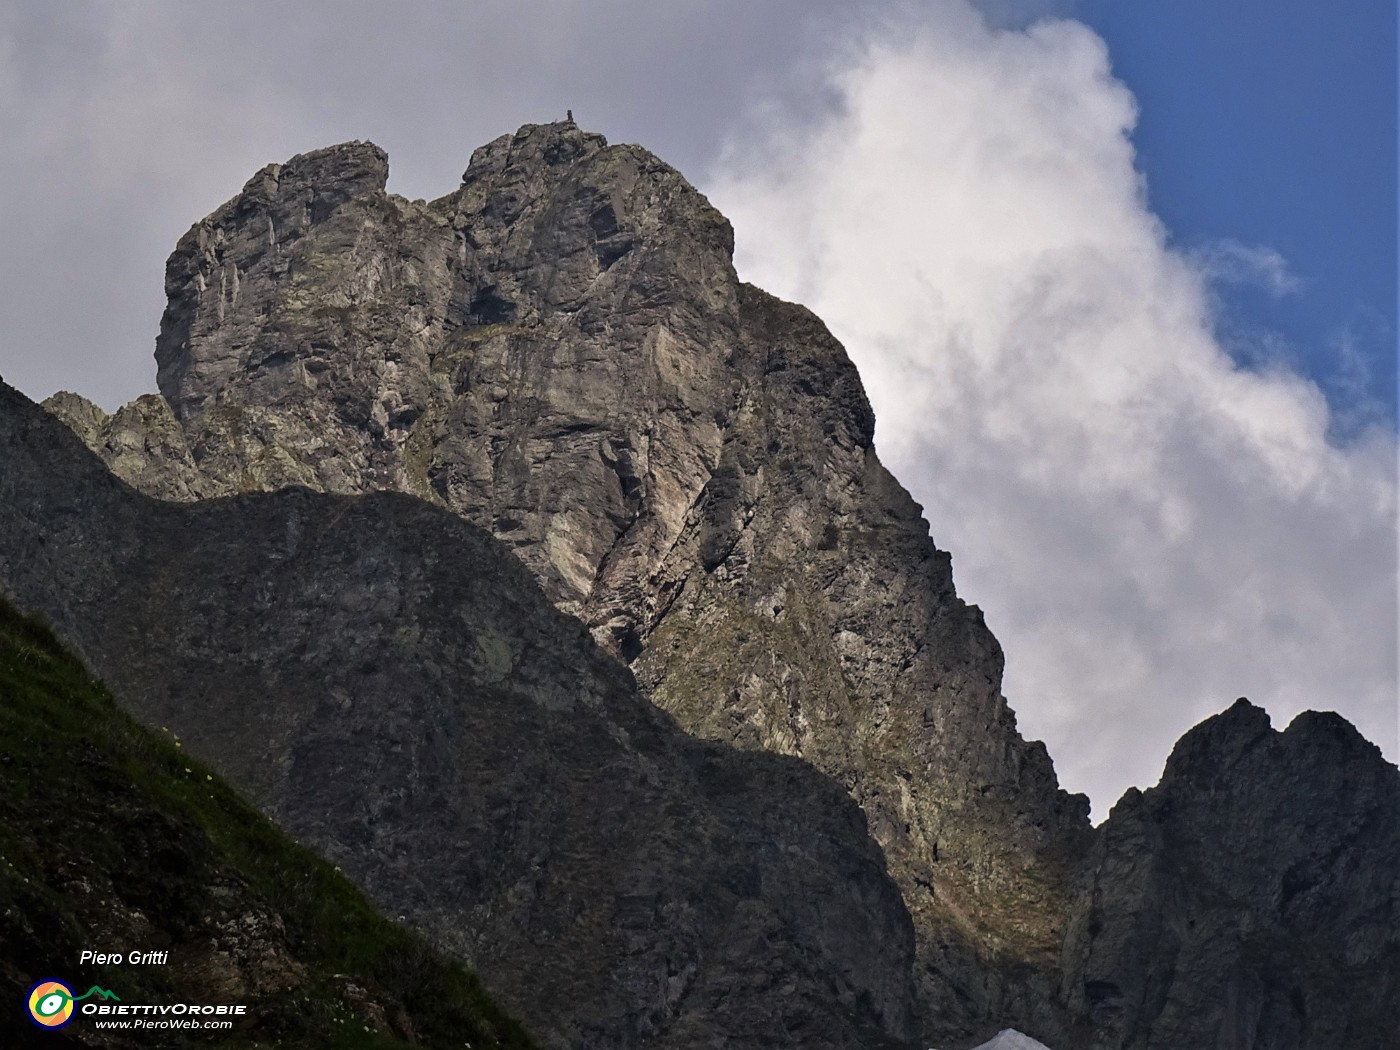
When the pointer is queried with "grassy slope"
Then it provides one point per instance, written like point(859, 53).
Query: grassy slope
point(111, 838)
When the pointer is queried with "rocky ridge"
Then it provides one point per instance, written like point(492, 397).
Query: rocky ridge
point(1010, 1039)
point(393, 688)
point(1251, 899)
point(560, 352)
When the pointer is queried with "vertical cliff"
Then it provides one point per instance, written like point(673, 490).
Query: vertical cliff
point(560, 352)
point(394, 689)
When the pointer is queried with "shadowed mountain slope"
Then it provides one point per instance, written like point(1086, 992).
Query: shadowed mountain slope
point(112, 839)
point(392, 687)
point(1251, 900)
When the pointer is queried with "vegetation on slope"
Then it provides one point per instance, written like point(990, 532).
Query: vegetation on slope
point(113, 839)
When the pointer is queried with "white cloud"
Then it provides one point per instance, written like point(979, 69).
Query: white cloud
point(1151, 530)
point(1354, 347)
point(1229, 261)
point(119, 135)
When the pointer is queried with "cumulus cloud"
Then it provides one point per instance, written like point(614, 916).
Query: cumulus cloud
point(1151, 529)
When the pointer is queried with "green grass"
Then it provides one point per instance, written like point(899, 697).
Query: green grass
point(113, 838)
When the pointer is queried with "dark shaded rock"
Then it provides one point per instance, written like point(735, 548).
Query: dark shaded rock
point(1250, 901)
point(390, 685)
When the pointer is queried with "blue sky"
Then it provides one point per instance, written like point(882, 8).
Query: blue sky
point(1274, 123)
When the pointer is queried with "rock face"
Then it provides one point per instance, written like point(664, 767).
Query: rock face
point(393, 688)
point(141, 442)
point(561, 353)
point(1251, 900)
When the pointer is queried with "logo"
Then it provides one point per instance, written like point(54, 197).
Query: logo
point(51, 1002)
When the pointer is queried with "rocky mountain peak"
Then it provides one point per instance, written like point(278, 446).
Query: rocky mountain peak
point(345, 170)
point(218, 266)
point(1218, 743)
point(1241, 748)
point(1263, 864)
point(559, 352)
point(533, 146)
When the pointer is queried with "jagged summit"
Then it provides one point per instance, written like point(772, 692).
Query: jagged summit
point(1215, 747)
point(1219, 741)
point(553, 144)
point(1249, 894)
point(559, 352)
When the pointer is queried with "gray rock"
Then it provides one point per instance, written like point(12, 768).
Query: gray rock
point(141, 442)
point(560, 352)
point(82, 417)
point(1251, 900)
point(1010, 1039)
point(388, 683)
